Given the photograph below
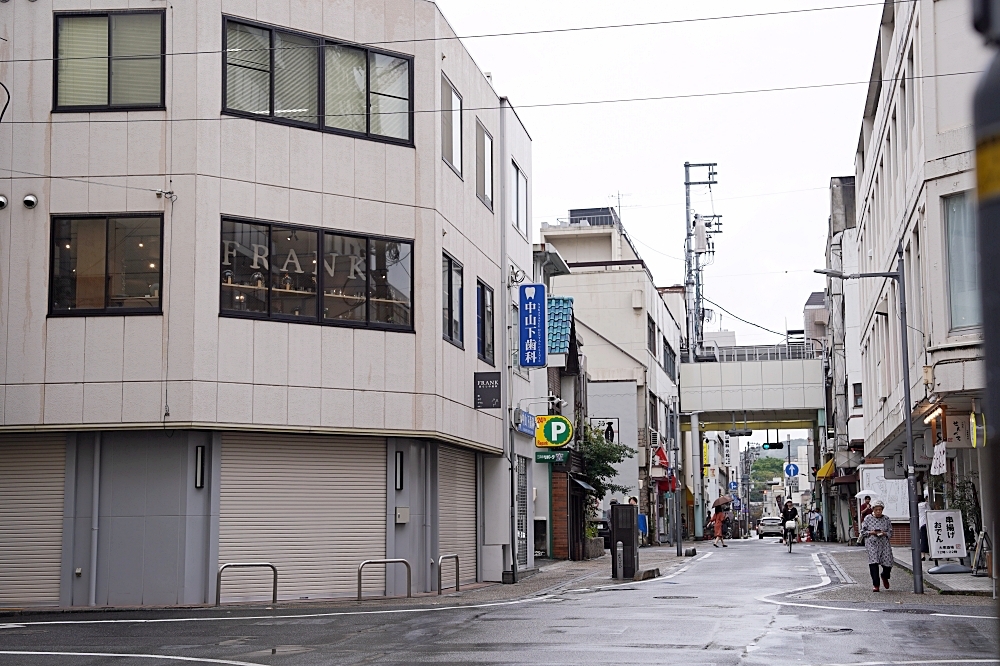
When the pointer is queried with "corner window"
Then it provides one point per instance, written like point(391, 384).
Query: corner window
point(963, 261)
point(451, 299)
point(519, 199)
point(274, 271)
point(111, 60)
point(858, 400)
point(484, 322)
point(484, 165)
point(106, 265)
point(277, 74)
point(451, 125)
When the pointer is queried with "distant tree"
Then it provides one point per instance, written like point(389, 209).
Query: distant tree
point(763, 471)
point(600, 455)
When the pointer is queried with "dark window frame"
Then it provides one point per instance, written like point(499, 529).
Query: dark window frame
point(654, 417)
point(319, 320)
point(460, 169)
point(651, 335)
point(320, 124)
point(105, 311)
point(481, 288)
point(460, 340)
point(487, 200)
point(857, 396)
point(669, 360)
point(57, 108)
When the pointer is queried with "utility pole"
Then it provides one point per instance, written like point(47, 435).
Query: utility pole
point(692, 293)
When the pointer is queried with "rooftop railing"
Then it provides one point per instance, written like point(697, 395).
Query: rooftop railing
point(788, 352)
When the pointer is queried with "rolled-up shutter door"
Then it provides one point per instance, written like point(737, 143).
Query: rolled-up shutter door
point(457, 511)
point(32, 485)
point(313, 506)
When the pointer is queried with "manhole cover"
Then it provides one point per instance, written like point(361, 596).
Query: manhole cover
point(818, 630)
point(675, 596)
point(912, 611)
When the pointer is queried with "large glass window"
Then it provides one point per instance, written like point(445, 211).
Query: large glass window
point(484, 322)
point(484, 165)
point(275, 271)
point(963, 268)
point(451, 302)
point(669, 360)
point(106, 265)
point(109, 60)
point(276, 74)
point(451, 125)
point(651, 335)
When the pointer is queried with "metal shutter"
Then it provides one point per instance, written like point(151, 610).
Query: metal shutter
point(313, 506)
point(32, 485)
point(457, 511)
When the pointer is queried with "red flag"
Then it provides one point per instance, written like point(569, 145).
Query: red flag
point(660, 457)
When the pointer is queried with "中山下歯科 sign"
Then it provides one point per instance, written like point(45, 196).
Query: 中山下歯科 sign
point(531, 326)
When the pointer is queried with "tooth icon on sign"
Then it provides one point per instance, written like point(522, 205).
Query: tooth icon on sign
point(529, 292)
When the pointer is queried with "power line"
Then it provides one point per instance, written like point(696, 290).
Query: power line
point(708, 300)
point(618, 100)
point(520, 33)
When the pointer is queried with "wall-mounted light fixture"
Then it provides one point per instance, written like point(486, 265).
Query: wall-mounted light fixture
point(399, 470)
point(933, 415)
point(199, 467)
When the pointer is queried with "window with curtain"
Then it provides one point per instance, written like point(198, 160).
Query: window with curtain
point(963, 261)
point(109, 60)
point(451, 302)
point(103, 264)
point(484, 322)
point(288, 76)
point(484, 165)
point(309, 275)
point(451, 125)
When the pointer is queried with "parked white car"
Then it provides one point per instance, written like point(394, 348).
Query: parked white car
point(770, 526)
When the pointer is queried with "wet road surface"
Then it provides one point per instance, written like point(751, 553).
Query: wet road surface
point(752, 604)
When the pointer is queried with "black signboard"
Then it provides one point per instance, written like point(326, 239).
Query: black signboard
point(487, 390)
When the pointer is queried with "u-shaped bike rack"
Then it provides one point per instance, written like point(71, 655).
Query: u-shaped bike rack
point(394, 561)
point(230, 565)
point(449, 556)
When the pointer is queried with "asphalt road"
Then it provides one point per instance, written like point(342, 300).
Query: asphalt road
point(740, 605)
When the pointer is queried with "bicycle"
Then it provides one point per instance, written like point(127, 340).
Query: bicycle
point(979, 559)
point(790, 527)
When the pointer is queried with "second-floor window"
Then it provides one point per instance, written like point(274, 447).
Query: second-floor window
point(106, 265)
point(310, 81)
point(651, 335)
point(451, 125)
point(484, 322)
point(112, 60)
point(963, 265)
point(484, 165)
point(451, 300)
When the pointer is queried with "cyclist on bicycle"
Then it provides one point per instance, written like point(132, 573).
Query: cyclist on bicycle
point(789, 514)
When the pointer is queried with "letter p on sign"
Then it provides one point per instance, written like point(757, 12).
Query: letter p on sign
point(553, 431)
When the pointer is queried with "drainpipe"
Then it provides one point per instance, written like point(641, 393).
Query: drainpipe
point(95, 520)
point(505, 300)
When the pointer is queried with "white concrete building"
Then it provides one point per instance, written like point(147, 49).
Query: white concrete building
point(250, 334)
point(914, 183)
point(631, 334)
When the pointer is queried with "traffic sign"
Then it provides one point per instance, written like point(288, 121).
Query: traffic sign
point(791, 469)
point(733, 485)
point(552, 431)
point(551, 456)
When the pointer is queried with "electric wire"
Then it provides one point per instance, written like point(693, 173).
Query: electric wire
point(544, 31)
point(7, 103)
point(763, 328)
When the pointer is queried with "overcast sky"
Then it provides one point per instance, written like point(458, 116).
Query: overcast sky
point(776, 151)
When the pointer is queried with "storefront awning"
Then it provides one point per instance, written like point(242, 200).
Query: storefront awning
point(586, 486)
point(827, 470)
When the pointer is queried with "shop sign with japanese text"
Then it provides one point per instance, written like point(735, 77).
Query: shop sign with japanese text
point(531, 324)
point(945, 534)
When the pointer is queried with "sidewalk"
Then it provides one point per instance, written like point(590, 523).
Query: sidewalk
point(551, 575)
point(981, 586)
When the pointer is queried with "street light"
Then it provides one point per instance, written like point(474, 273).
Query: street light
point(911, 481)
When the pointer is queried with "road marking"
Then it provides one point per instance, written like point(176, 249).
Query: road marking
point(198, 660)
point(11, 626)
point(929, 661)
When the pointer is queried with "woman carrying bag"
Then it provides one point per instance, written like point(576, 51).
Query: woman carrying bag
point(877, 530)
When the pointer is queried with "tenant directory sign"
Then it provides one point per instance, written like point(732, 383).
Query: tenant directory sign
point(531, 323)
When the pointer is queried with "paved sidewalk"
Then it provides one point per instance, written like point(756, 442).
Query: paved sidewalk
point(946, 583)
point(854, 562)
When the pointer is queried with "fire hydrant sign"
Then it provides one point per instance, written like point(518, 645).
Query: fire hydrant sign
point(945, 534)
point(531, 324)
point(552, 431)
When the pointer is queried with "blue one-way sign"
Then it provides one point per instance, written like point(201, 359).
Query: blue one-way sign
point(733, 485)
point(791, 469)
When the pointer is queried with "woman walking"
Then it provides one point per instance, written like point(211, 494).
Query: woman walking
point(717, 520)
point(877, 530)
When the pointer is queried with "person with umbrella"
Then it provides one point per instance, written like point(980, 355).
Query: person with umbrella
point(718, 519)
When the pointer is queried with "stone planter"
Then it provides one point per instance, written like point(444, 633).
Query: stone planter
point(594, 548)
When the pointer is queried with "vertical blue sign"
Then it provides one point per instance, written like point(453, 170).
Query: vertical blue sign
point(531, 316)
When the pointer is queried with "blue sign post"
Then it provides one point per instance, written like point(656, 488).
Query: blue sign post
point(791, 469)
point(733, 485)
point(531, 324)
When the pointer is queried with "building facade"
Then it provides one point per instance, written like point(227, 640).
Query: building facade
point(914, 185)
point(246, 298)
